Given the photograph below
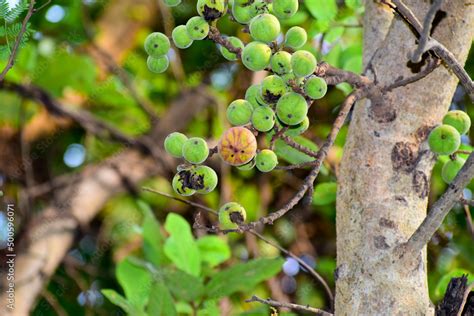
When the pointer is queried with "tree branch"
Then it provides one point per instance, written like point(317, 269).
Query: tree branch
point(438, 211)
point(425, 35)
point(16, 46)
point(296, 307)
point(83, 118)
point(321, 155)
point(433, 63)
point(438, 48)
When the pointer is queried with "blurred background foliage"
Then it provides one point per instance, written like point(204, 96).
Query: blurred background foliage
point(74, 51)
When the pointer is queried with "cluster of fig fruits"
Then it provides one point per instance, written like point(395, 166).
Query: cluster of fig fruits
point(445, 139)
point(279, 103)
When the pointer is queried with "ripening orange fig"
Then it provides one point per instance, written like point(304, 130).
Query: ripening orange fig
point(237, 146)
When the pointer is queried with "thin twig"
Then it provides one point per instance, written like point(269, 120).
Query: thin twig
point(16, 46)
point(467, 214)
point(438, 212)
point(311, 271)
point(290, 142)
point(207, 209)
point(425, 35)
point(296, 307)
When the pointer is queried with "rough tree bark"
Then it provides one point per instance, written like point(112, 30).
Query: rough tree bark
point(385, 172)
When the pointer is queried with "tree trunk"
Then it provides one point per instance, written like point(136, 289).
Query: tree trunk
point(385, 173)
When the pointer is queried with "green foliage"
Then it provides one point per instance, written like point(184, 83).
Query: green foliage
point(181, 247)
point(10, 28)
point(155, 286)
point(242, 277)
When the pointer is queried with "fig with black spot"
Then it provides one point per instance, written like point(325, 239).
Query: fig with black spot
point(211, 9)
point(181, 185)
point(197, 28)
point(303, 63)
point(315, 87)
point(444, 140)
point(256, 56)
point(157, 44)
point(281, 63)
point(239, 112)
point(231, 215)
point(292, 108)
point(272, 88)
point(266, 160)
point(263, 118)
point(195, 150)
point(207, 179)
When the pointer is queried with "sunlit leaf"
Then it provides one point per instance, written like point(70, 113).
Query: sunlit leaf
point(180, 247)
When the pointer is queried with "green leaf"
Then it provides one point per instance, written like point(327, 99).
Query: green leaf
point(213, 250)
point(292, 155)
point(152, 237)
point(183, 285)
point(135, 281)
point(181, 247)
point(118, 300)
point(160, 302)
point(242, 277)
point(325, 10)
point(324, 193)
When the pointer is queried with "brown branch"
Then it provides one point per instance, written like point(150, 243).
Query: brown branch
point(83, 118)
point(334, 76)
point(216, 36)
point(438, 48)
point(433, 63)
point(207, 209)
point(438, 212)
point(292, 306)
point(16, 46)
point(425, 34)
point(321, 155)
point(290, 142)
